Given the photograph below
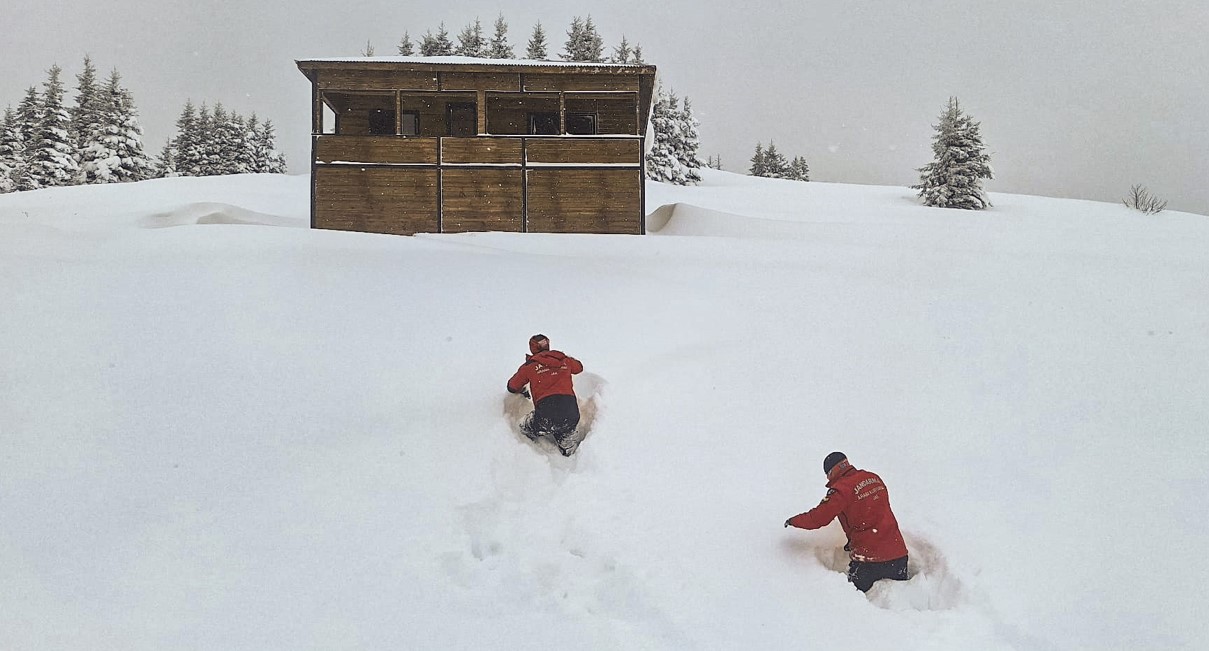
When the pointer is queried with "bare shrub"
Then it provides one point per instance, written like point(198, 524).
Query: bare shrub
point(1139, 198)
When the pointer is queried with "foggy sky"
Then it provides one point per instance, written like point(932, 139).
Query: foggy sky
point(1077, 98)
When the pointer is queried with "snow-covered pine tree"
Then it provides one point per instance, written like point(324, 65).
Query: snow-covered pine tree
point(798, 169)
point(269, 160)
point(186, 146)
point(368, 51)
point(688, 151)
point(636, 57)
point(86, 115)
point(26, 127)
point(116, 153)
point(583, 42)
point(242, 140)
point(11, 158)
point(537, 44)
point(594, 44)
point(165, 163)
point(954, 177)
point(204, 143)
point(499, 48)
point(471, 42)
point(406, 48)
point(52, 157)
point(759, 162)
point(622, 53)
point(221, 142)
point(775, 165)
point(443, 46)
point(662, 163)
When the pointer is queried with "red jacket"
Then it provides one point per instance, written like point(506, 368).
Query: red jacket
point(547, 373)
point(861, 501)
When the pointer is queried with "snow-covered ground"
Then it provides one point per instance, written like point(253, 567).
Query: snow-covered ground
point(222, 430)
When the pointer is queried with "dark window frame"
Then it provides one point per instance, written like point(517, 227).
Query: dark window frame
point(404, 114)
point(551, 116)
point(377, 123)
point(453, 106)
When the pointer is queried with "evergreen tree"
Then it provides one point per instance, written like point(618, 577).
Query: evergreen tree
point(221, 143)
point(25, 127)
point(500, 49)
point(441, 45)
point(583, 42)
point(369, 49)
point(269, 160)
point(662, 163)
point(690, 144)
point(405, 46)
point(594, 43)
point(759, 162)
point(187, 145)
point(86, 115)
point(11, 157)
point(28, 115)
point(471, 42)
point(115, 153)
point(622, 53)
point(798, 169)
point(775, 165)
point(51, 159)
point(537, 44)
point(165, 163)
point(954, 178)
point(636, 57)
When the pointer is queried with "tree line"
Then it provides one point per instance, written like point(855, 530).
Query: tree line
point(584, 43)
point(47, 142)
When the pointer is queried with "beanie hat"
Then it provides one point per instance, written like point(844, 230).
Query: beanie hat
point(538, 343)
point(831, 461)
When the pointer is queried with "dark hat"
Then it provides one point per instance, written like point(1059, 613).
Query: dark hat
point(538, 343)
point(831, 460)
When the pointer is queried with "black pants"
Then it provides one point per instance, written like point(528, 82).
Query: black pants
point(864, 575)
point(555, 416)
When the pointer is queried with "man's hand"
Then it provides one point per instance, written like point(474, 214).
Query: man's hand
point(787, 523)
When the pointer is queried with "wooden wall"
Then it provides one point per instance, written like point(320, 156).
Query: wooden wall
point(481, 199)
point(585, 200)
point(396, 200)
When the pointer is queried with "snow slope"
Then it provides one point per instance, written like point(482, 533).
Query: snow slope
point(222, 430)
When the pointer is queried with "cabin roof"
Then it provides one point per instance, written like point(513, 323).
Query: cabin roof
point(472, 64)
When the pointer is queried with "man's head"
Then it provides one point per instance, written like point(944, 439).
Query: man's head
point(538, 343)
point(837, 462)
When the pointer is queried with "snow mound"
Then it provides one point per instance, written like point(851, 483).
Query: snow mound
point(687, 219)
point(213, 213)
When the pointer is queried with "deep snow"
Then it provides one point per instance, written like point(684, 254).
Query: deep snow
point(222, 430)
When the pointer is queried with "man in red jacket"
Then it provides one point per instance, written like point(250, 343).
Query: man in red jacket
point(862, 503)
point(555, 409)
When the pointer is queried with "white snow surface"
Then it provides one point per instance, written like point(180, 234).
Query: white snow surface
point(220, 429)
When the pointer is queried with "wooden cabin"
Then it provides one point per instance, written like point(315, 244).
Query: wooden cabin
point(452, 144)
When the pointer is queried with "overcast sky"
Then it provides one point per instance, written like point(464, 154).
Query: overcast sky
point(1077, 98)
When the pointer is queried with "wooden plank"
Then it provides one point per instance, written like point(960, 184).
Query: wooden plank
point(499, 151)
point(572, 200)
point(376, 150)
point(395, 200)
point(597, 81)
point(480, 81)
point(481, 199)
point(342, 79)
point(579, 150)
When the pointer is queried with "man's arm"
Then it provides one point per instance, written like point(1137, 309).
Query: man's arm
point(516, 384)
point(832, 505)
point(574, 365)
